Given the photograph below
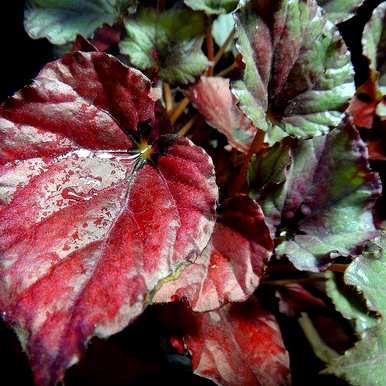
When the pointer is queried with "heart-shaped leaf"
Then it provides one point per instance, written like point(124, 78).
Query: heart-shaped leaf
point(238, 344)
point(213, 99)
point(364, 364)
point(61, 20)
point(168, 43)
point(91, 221)
point(321, 203)
point(298, 77)
point(232, 264)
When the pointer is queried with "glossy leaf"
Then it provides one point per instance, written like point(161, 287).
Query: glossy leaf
point(298, 77)
point(238, 344)
point(232, 264)
point(212, 6)
point(213, 99)
point(324, 205)
point(168, 43)
point(364, 363)
point(61, 20)
point(91, 221)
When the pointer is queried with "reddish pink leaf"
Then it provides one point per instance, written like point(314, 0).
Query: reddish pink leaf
point(87, 228)
point(104, 39)
point(294, 299)
point(239, 344)
point(213, 99)
point(231, 265)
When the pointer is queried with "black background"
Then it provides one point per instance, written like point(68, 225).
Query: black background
point(136, 356)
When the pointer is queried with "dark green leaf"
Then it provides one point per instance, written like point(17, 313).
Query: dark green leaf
point(61, 20)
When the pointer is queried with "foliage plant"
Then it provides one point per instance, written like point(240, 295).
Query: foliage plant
point(213, 160)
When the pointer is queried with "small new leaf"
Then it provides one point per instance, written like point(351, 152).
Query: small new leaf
point(168, 43)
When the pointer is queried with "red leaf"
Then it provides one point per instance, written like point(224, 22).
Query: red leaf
point(239, 344)
point(213, 99)
point(295, 299)
point(231, 265)
point(87, 228)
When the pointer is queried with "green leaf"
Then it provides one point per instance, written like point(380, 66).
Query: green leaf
point(364, 364)
point(298, 76)
point(212, 7)
point(61, 20)
point(221, 28)
point(169, 43)
point(324, 205)
point(347, 303)
point(374, 43)
point(340, 10)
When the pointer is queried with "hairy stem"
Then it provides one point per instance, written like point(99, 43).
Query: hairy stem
point(167, 95)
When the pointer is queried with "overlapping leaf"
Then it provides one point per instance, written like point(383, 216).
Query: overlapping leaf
point(295, 299)
point(340, 10)
point(347, 303)
point(298, 77)
point(374, 42)
point(364, 364)
point(91, 222)
point(168, 43)
point(213, 7)
point(238, 344)
point(222, 26)
point(214, 100)
point(320, 202)
point(61, 20)
point(368, 101)
point(231, 265)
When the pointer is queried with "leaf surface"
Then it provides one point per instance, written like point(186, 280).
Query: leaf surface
point(320, 203)
point(364, 364)
point(168, 43)
point(91, 221)
point(61, 20)
point(340, 10)
point(232, 264)
point(213, 7)
point(298, 77)
point(238, 344)
point(213, 99)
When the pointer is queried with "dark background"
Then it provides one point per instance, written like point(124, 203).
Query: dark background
point(138, 356)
